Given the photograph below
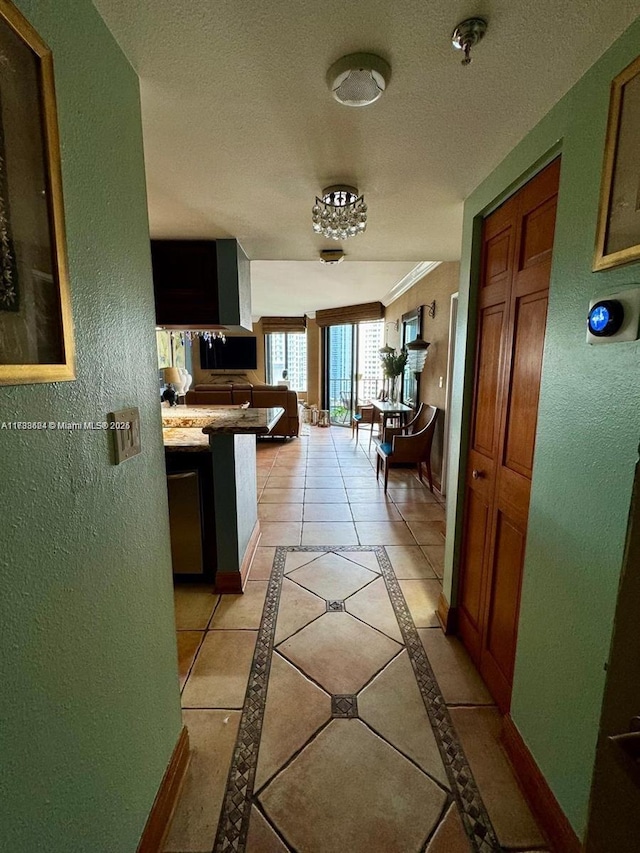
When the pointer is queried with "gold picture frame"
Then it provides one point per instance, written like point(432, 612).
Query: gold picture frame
point(36, 326)
point(618, 233)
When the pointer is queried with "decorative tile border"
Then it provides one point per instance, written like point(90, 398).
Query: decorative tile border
point(474, 815)
point(236, 810)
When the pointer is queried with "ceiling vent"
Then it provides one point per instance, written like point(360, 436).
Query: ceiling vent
point(331, 256)
point(358, 79)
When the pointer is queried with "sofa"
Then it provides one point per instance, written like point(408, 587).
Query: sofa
point(258, 397)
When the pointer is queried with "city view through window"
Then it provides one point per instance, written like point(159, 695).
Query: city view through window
point(286, 357)
point(354, 368)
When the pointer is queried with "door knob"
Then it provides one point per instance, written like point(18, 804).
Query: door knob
point(476, 474)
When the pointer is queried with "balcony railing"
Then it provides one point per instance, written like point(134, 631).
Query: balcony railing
point(342, 400)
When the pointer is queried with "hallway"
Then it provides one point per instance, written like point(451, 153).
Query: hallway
point(349, 721)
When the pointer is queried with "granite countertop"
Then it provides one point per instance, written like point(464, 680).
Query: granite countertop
point(177, 438)
point(222, 419)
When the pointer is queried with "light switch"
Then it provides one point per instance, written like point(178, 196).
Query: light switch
point(441, 382)
point(125, 429)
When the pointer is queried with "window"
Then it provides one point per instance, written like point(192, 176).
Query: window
point(353, 368)
point(287, 359)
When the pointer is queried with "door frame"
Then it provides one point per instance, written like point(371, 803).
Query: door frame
point(610, 783)
point(464, 372)
point(451, 358)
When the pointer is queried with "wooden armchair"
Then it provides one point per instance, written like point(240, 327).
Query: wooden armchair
point(419, 420)
point(409, 444)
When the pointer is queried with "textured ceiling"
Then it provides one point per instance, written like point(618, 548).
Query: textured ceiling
point(290, 288)
point(240, 131)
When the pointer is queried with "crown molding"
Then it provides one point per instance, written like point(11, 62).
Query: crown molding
point(418, 272)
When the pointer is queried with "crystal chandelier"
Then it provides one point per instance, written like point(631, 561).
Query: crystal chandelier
point(192, 335)
point(340, 213)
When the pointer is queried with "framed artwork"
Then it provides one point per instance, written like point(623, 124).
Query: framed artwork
point(411, 329)
point(618, 235)
point(36, 333)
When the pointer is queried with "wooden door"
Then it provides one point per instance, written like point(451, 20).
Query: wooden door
point(517, 243)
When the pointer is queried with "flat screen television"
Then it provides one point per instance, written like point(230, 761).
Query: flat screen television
point(237, 353)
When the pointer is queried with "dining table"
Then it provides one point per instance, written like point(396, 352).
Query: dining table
point(388, 410)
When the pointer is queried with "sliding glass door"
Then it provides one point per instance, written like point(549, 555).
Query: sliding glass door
point(353, 374)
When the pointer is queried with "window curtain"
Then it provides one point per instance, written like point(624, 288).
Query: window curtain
point(270, 325)
point(350, 314)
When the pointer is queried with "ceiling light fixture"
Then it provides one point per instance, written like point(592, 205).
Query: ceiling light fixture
point(467, 35)
point(331, 256)
point(340, 213)
point(359, 79)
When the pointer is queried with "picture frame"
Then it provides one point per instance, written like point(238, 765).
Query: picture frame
point(618, 231)
point(36, 328)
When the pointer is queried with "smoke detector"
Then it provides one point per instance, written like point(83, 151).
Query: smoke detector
point(331, 256)
point(358, 79)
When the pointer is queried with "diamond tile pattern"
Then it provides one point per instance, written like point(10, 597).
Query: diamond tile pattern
point(331, 576)
point(285, 729)
point(372, 606)
point(348, 791)
point(344, 741)
point(339, 652)
point(392, 705)
point(297, 608)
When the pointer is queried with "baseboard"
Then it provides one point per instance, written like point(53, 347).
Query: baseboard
point(447, 615)
point(164, 805)
point(233, 583)
point(541, 799)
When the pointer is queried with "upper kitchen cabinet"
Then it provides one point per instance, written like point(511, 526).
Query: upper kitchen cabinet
point(201, 284)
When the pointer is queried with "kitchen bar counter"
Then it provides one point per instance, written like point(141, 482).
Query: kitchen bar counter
point(186, 439)
point(228, 472)
point(231, 420)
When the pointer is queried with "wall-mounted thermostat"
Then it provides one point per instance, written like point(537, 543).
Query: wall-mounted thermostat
point(614, 318)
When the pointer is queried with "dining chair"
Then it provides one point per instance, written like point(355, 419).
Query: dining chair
point(409, 444)
point(364, 414)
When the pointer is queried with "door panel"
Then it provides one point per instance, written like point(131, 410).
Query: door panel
point(487, 419)
point(537, 234)
point(522, 408)
point(471, 604)
point(497, 257)
point(504, 598)
point(512, 310)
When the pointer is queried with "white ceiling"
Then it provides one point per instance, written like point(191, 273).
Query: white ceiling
point(293, 288)
point(240, 131)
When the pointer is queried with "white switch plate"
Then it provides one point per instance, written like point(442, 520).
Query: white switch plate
point(630, 299)
point(125, 429)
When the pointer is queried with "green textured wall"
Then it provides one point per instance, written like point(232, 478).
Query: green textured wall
point(90, 704)
point(587, 447)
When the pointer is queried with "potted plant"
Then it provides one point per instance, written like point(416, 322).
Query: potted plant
point(393, 365)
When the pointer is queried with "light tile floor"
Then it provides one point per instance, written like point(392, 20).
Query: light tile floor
point(334, 772)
